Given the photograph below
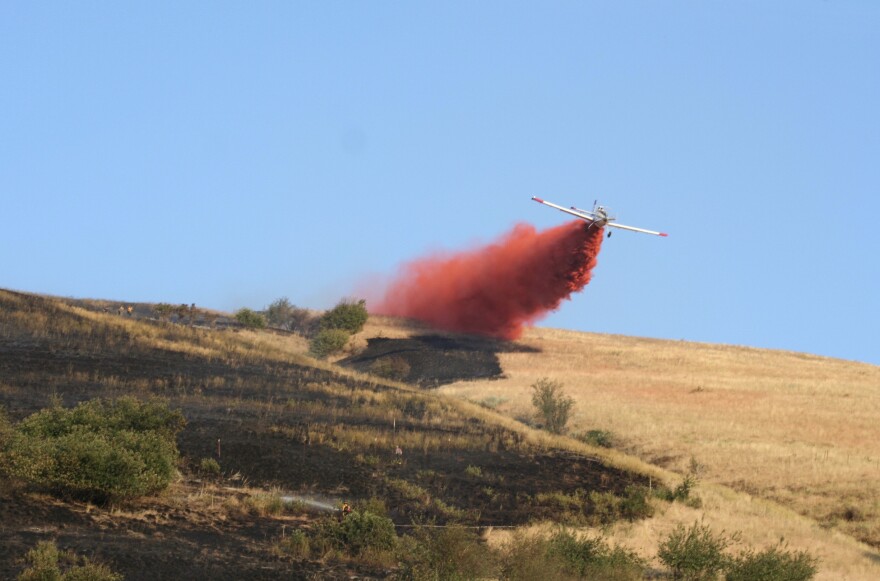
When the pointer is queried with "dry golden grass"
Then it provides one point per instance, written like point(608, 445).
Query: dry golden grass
point(801, 431)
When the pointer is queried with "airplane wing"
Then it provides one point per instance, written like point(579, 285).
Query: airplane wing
point(582, 214)
point(634, 229)
point(591, 217)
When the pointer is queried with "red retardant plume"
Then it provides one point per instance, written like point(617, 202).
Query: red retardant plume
point(498, 289)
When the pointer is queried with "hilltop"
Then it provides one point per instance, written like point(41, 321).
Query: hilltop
point(281, 425)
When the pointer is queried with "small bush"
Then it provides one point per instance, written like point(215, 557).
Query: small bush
point(694, 553)
point(163, 311)
point(210, 467)
point(296, 544)
point(451, 552)
point(266, 504)
point(593, 558)
point(598, 438)
point(772, 564)
point(373, 505)
point(328, 341)
point(250, 319)
point(635, 504)
point(552, 405)
point(279, 313)
point(564, 556)
point(47, 563)
point(99, 450)
point(358, 533)
point(474, 471)
point(526, 558)
point(349, 315)
point(682, 492)
point(606, 507)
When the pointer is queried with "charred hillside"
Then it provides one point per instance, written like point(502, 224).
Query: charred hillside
point(271, 418)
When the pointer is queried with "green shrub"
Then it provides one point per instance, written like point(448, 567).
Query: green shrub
point(357, 533)
point(682, 492)
point(280, 313)
point(635, 504)
point(47, 563)
point(349, 315)
point(526, 558)
point(99, 450)
point(250, 319)
point(474, 471)
point(373, 505)
point(210, 467)
point(606, 507)
point(593, 558)
point(450, 552)
point(694, 553)
point(564, 556)
point(328, 342)
point(772, 564)
point(552, 405)
point(598, 438)
point(163, 311)
point(296, 545)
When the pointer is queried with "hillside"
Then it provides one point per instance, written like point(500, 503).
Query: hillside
point(801, 431)
point(773, 434)
point(280, 424)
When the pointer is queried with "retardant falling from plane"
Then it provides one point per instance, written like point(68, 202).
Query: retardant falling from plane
point(498, 289)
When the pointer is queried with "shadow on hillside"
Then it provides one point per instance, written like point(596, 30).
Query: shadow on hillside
point(433, 360)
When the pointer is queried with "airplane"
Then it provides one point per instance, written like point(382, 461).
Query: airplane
point(597, 217)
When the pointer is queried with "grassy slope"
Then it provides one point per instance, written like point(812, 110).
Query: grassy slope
point(796, 429)
point(749, 416)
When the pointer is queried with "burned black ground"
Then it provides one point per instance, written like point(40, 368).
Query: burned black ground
point(283, 423)
point(432, 360)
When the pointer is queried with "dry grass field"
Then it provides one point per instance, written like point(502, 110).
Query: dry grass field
point(798, 430)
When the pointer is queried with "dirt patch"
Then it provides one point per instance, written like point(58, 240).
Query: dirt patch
point(433, 360)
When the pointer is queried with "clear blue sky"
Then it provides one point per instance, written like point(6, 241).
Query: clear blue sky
point(229, 153)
